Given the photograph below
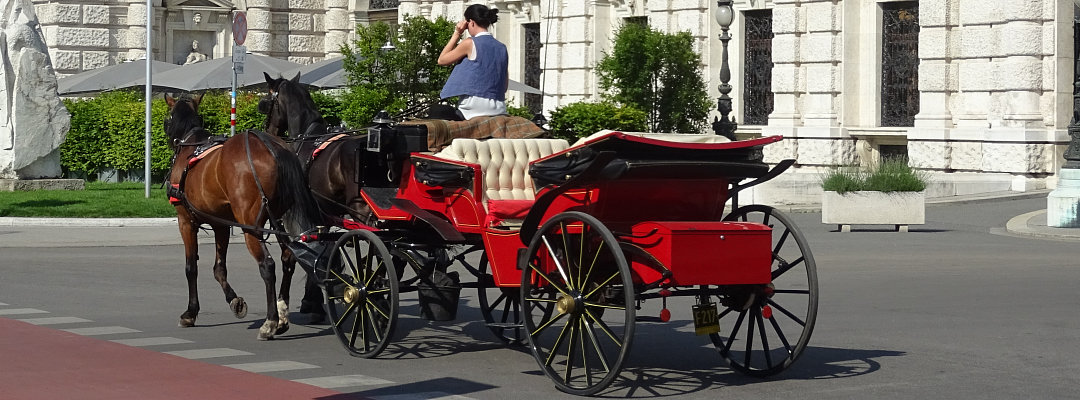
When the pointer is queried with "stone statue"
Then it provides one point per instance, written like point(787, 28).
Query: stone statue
point(33, 120)
point(194, 56)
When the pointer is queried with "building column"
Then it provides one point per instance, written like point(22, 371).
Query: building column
point(338, 26)
point(259, 39)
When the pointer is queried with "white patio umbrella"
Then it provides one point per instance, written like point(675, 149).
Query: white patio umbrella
point(108, 78)
point(217, 73)
point(330, 73)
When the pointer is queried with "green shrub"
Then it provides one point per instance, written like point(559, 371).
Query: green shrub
point(108, 131)
point(329, 106)
point(522, 112)
point(577, 120)
point(891, 175)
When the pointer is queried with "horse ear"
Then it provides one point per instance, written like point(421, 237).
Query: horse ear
point(196, 99)
point(296, 79)
point(269, 80)
point(170, 100)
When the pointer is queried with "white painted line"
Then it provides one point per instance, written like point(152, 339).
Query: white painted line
point(422, 396)
point(3, 304)
point(199, 354)
point(151, 341)
point(101, 330)
point(272, 366)
point(21, 311)
point(332, 382)
point(54, 320)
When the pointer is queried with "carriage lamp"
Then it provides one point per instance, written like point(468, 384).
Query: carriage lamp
point(724, 126)
point(381, 129)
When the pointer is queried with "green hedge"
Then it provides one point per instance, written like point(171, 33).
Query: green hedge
point(577, 120)
point(108, 131)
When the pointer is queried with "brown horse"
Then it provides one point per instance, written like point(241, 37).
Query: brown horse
point(246, 181)
point(332, 162)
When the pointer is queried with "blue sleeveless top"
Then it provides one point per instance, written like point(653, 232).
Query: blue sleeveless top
point(483, 77)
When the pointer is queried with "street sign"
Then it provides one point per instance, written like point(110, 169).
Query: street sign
point(239, 54)
point(239, 27)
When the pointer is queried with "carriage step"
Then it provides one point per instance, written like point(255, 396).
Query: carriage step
point(504, 325)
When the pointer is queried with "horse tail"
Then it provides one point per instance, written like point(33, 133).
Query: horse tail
point(303, 213)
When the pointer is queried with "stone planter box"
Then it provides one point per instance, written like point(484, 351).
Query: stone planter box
point(873, 208)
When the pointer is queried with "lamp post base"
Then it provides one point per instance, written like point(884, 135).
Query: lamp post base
point(1063, 203)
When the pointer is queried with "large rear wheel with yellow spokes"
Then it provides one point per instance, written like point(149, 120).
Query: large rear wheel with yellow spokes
point(362, 293)
point(577, 298)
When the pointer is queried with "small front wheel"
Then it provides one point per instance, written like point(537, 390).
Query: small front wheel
point(577, 297)
point(362, 293)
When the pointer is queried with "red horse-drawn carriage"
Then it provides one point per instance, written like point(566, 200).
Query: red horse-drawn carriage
point(567, 241)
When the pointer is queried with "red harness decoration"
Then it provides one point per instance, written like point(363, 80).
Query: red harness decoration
point(172, 199)
point(324, 144)
point(196, 158)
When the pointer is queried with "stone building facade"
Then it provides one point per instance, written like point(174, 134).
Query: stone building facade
point(977, 91)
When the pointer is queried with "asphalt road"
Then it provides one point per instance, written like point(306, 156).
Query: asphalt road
point(953, 309)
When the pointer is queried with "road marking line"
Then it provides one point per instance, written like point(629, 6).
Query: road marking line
point(272, 366)
point(101, 330)
point(198, 354)
point(332, 382)
point(151, 341)
point(20, 311)
point(423, 396)
point(54, 320)
point(3, 304)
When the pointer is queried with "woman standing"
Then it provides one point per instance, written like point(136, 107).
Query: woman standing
point(480, 77)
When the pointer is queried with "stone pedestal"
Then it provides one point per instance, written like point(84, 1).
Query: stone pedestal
point(14, 185)
point(1063, 204)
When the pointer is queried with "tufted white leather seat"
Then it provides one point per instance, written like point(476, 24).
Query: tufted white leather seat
point(504, 162)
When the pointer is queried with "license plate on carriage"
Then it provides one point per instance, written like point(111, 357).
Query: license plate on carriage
point(706, 319)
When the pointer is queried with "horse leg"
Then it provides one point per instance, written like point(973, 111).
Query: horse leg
point(221, 272)
point(288, 267)
point(189, 236)
point(258, 250)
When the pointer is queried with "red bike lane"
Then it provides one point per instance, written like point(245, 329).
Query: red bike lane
point(42, 363)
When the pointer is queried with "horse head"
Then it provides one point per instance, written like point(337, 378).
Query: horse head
point(289, 108)
point(183, 118)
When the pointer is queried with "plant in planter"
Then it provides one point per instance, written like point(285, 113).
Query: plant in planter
point(889, 193)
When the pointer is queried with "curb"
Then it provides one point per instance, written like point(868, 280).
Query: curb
point(92, 222)
point(1021, 225)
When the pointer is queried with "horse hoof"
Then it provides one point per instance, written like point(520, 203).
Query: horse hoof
point(283, 317)
point(239, 307)
point(186, 320)
point(267, 331)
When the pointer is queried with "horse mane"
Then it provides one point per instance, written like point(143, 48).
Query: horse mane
point(302, 109)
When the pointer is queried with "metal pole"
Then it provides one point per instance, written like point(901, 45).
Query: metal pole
point(149, 85)
point(232, 99)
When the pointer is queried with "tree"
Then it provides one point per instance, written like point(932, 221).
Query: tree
point(395, 80)
point(659, 73)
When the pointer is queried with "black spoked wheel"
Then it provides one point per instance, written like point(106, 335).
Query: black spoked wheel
point(578, 303)
point(764, 328)
point(362, 293)
point(500, 306)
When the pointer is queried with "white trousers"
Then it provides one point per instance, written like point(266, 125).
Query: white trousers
point(473, 106)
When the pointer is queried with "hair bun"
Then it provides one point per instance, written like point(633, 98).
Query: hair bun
point(493, 15)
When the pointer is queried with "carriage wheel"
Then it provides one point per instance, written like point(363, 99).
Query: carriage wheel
point(764, 329)
point(500, 306)
point(575, 266)
point(362, 293)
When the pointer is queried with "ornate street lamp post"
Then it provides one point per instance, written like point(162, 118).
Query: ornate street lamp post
point(724, 126)
point(1063, 203)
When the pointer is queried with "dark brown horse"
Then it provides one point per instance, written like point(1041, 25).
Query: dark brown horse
point(331, 160)
point(248, 180)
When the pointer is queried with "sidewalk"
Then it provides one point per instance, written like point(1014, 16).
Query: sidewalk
point(106, 232)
